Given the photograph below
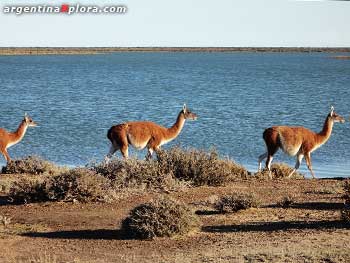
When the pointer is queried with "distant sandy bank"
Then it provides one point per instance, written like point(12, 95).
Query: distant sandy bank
point(101, 50)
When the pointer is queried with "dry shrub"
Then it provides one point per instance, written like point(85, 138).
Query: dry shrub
point(280, 170)
point(133, 173)
point(345, 213)
point(28, 190)
point(163, 217)
point(31, 165)
point(76, 184)
point(80, 184)
point(194, 166)
point(347, 193)
point(286, 201)
point(200, 167)
point(235, 202)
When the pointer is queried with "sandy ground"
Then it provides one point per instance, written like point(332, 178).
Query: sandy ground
point(308, 231)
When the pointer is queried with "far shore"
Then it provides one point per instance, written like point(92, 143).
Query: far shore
point(8, 51)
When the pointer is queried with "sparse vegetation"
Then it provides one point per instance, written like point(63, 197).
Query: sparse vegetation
point(5, 221)
point(31, 165)
point(280, 170)
point(200, 167)
point(345, 213)
point(163, 217)
point(28, 190)
point(193, 166)
point(286, 201)
point(133, 173)
point(235, 202)
point(81, 184)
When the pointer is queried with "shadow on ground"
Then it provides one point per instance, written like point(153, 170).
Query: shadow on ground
point(4, 200)
point(106, 234)
point(312, 206)
point(278, 226)
point(207, 212)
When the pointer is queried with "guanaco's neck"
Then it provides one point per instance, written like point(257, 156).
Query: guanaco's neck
point(326, 132)
point(175, 130)
point(19, 133)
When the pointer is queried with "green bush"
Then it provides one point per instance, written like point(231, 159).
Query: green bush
point(235, 202)
point(163, 217)
point(31, 165)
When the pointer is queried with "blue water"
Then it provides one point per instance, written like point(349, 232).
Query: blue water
point(76, 98)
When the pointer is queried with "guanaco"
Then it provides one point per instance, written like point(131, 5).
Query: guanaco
point(297, 141)
point(8, 139)
point(141, 134)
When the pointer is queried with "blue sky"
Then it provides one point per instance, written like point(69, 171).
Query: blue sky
point(185, 23)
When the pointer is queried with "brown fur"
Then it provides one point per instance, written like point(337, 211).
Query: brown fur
point(298, 141)
point(141, 134)
point(8, 139)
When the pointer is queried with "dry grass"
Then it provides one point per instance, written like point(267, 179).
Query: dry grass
point(163, 217)
point(279, 170)
point(235, 202)
point(31, 165)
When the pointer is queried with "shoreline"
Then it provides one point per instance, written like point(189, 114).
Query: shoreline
point(11, 51)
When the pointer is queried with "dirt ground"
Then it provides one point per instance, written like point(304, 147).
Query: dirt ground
point(310, 230)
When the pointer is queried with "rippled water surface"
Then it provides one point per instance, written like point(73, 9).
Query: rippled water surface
point(236, 95)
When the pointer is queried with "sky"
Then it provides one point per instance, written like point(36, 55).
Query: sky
point(199, 23)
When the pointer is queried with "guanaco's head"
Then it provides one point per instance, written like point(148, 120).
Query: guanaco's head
point(188, 114)
point(335, 117)
point(29, 121)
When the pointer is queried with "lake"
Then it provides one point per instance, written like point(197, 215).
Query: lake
point(76, 98)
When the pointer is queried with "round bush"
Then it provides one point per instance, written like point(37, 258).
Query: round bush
point(235, 202)
point(80, 183)
point(162, 217)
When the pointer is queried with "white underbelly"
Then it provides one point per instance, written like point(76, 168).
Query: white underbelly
point(11, 144)
point(165, 142)
point(137, 144)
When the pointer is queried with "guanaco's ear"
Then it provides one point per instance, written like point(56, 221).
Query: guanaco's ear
point(25, 115)
point(184, 108)
point(332, 110)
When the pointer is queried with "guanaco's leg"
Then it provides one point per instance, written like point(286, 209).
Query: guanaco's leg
point(149, 154)
point(120, 141)
point(6, 155)
point(297, 164)
point(271, 150)
point(124, 151)
point(268, 164)
point(261, 158)
point(112, 150)
point(309, 164)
